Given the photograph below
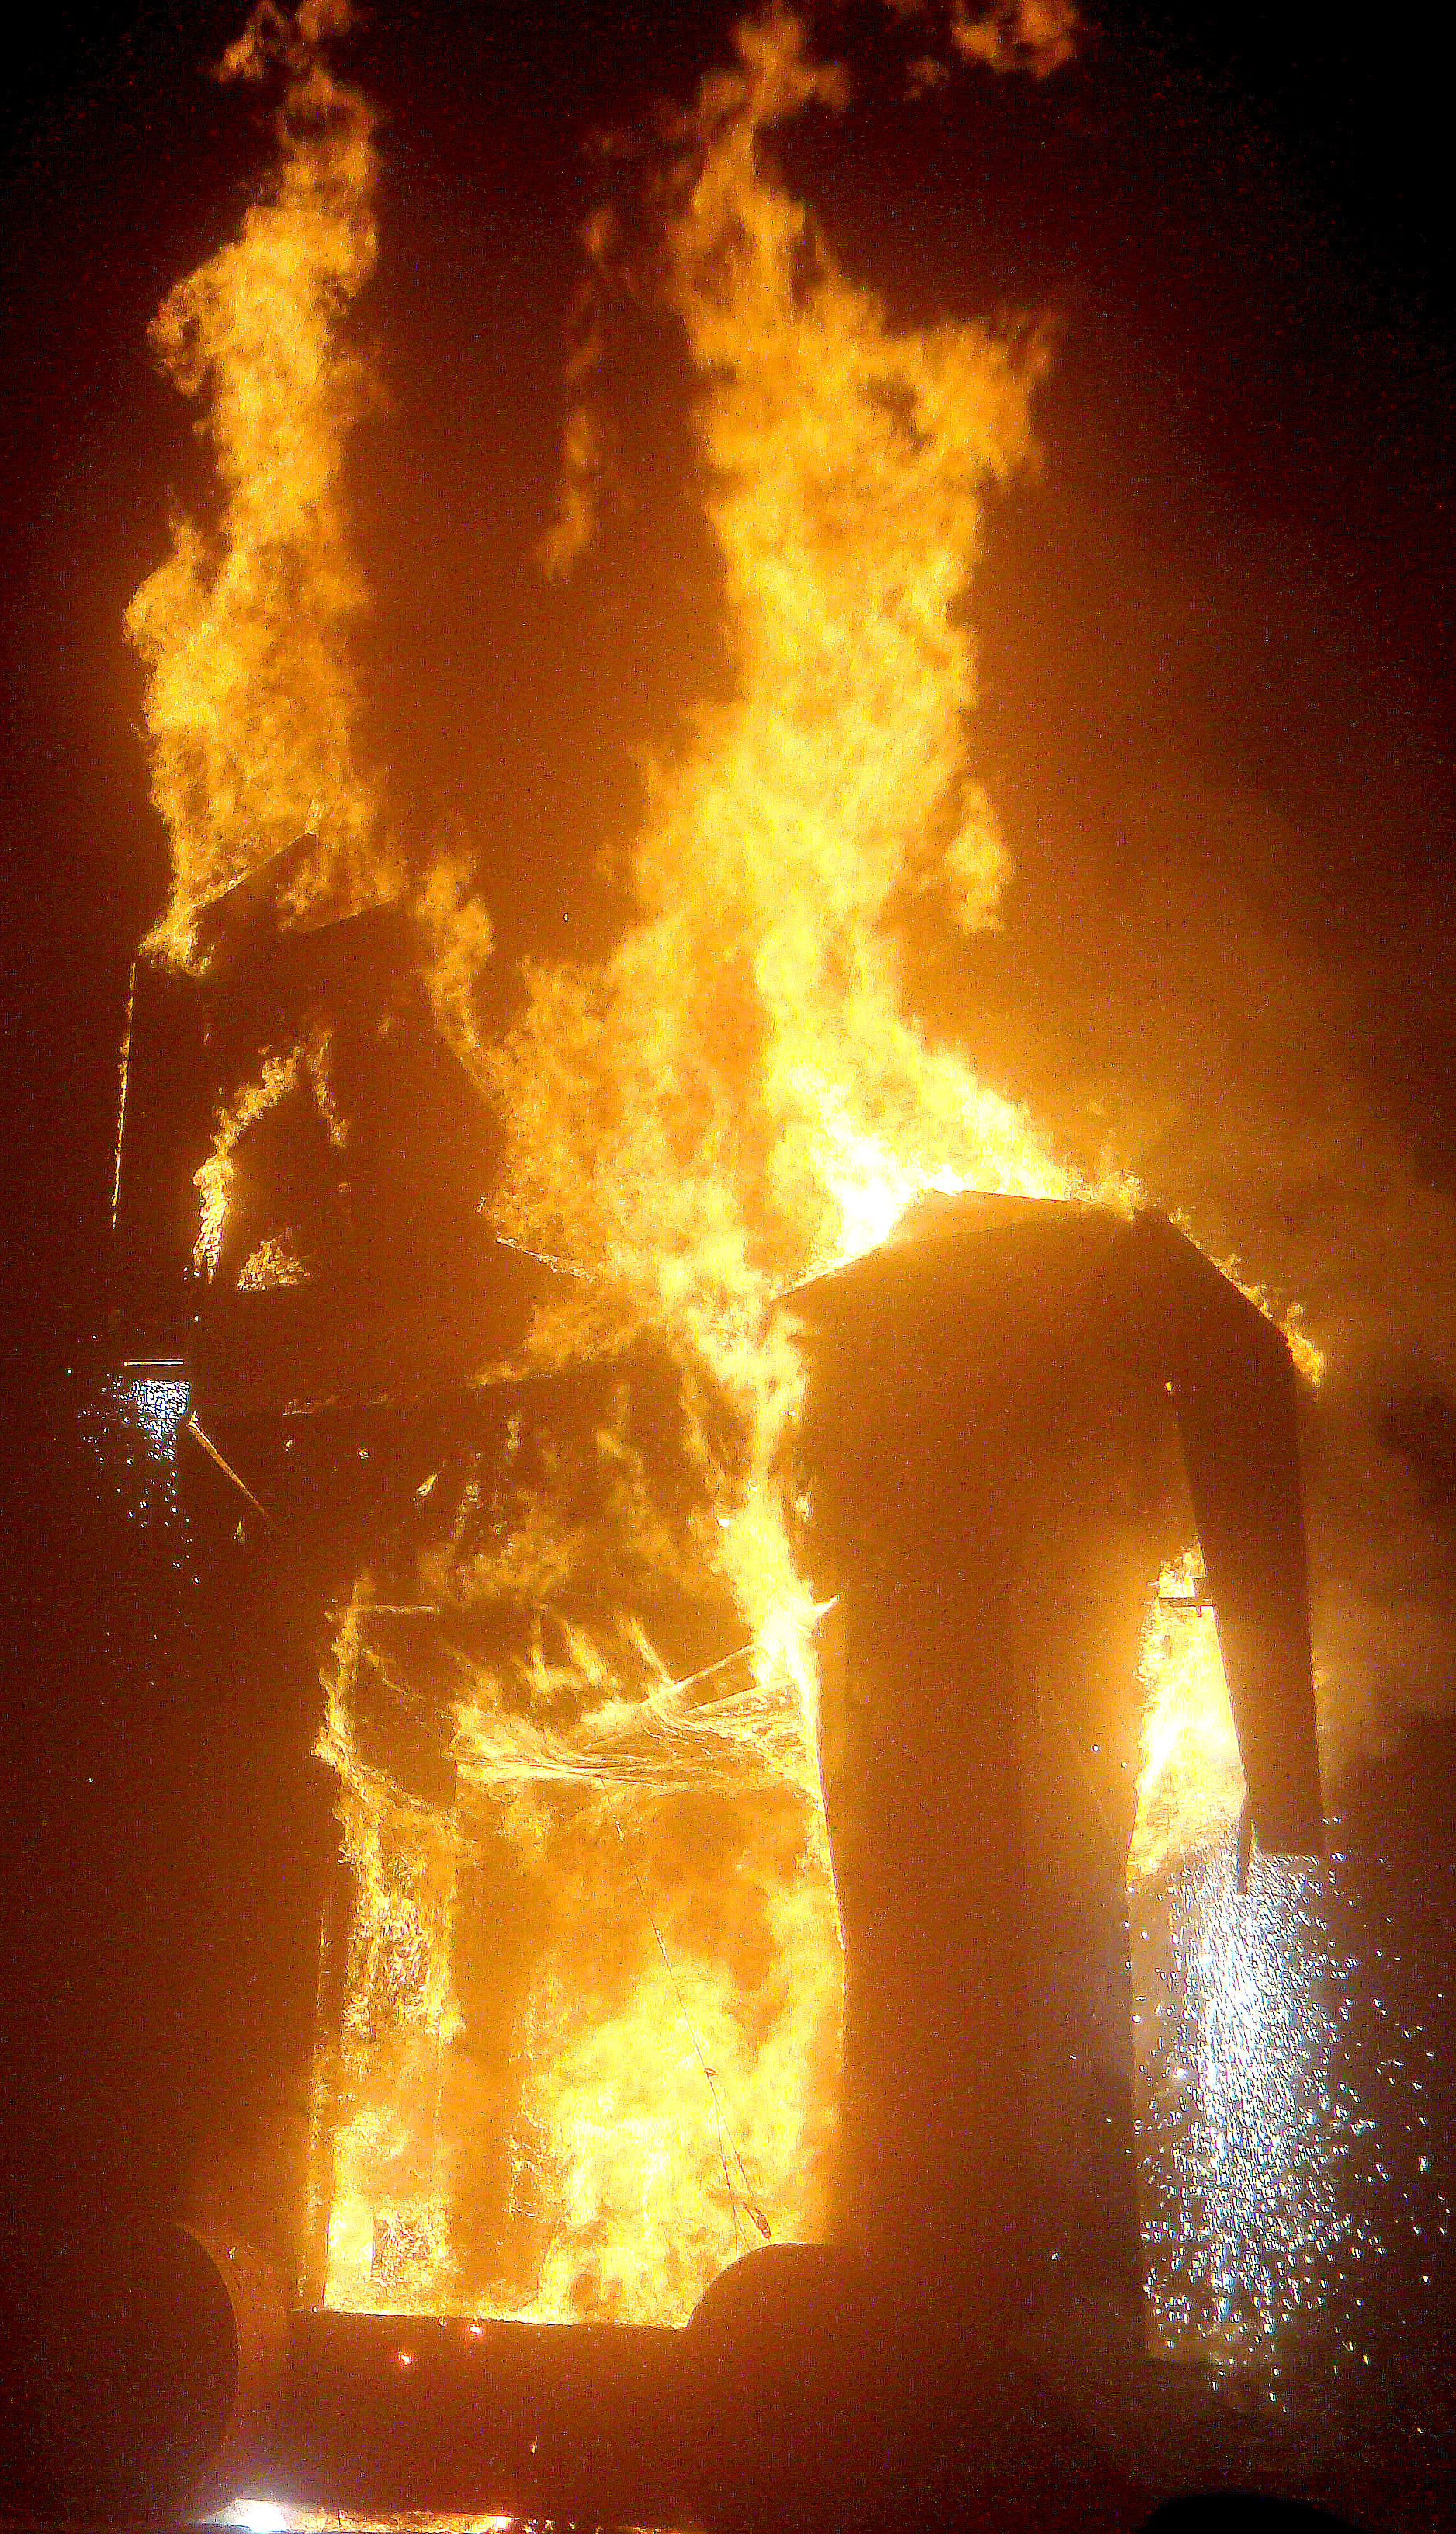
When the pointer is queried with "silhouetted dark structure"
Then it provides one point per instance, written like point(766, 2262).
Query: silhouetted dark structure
point(990, 1451)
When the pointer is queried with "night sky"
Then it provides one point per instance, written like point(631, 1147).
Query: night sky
point(1216, 719)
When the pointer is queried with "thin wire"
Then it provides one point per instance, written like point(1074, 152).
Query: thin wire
point(192, 1428)
point(724, 2132)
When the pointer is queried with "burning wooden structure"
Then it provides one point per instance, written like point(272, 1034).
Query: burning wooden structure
point(1012, 1408)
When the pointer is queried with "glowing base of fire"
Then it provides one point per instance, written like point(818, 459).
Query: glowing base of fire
point(590, 2044)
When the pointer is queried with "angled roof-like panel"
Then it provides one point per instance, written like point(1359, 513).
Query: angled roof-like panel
point(982, 1290)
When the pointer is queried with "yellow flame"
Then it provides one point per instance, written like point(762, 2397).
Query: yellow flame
point(273, 1263)
point(253, 699)
point(1309, 1356)
point(740, 1095)
point(736, 1097)
point(1191, 1782)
